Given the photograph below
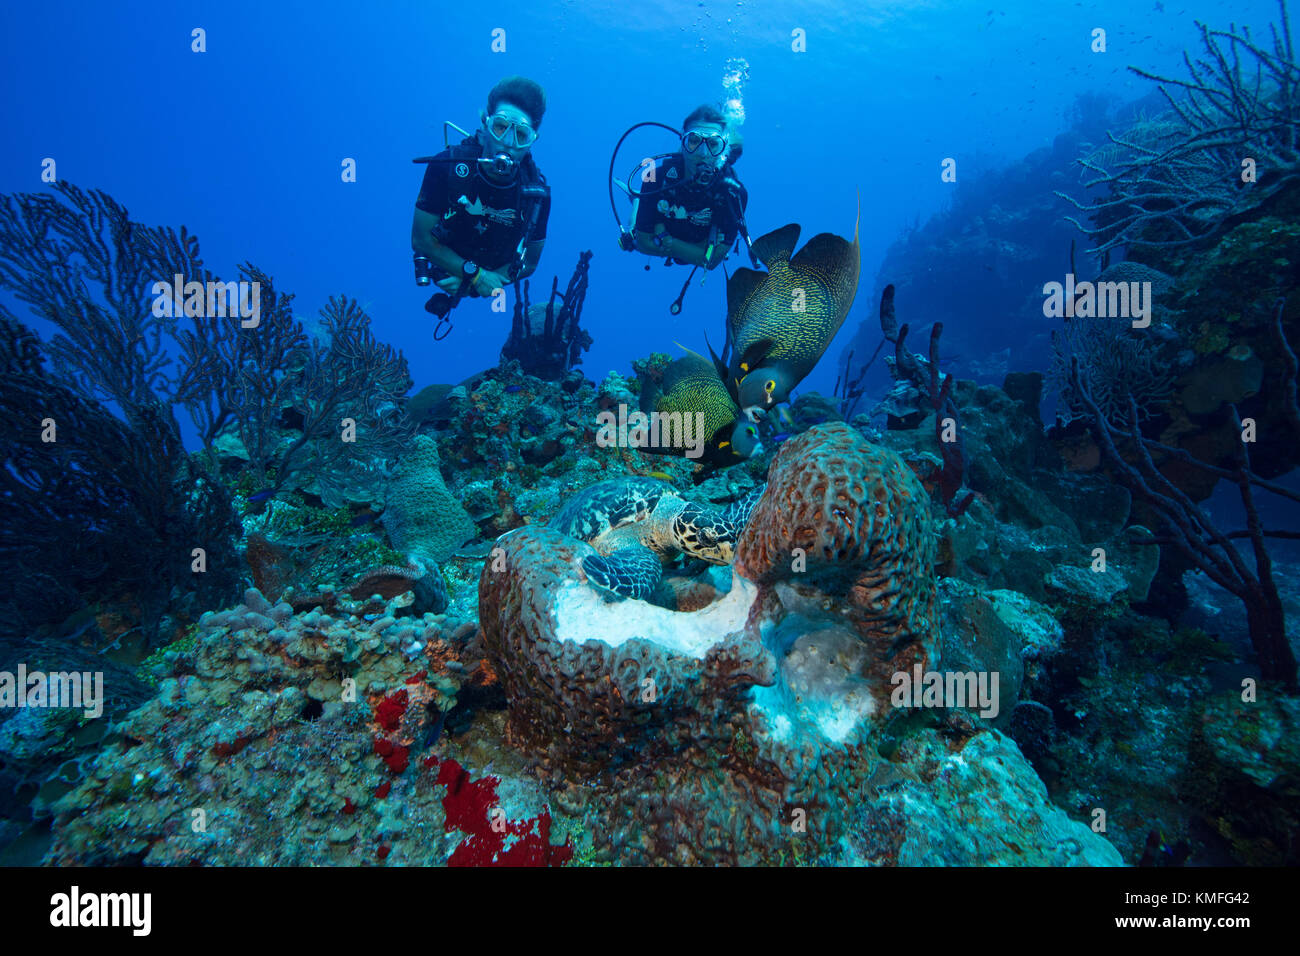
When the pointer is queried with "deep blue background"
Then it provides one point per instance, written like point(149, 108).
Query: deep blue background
point(244, 143)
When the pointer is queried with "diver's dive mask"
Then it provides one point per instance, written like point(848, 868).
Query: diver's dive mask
point(714, 143)
point(509, 131)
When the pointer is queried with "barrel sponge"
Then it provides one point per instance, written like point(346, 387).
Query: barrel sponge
point(847, 522)
point(422, 518)
point(766, 699)
point(591, 680)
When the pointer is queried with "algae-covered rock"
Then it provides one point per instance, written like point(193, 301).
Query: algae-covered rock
point(1039, 631)
point(975, 638)
point(1260, 738)
point(979, 804)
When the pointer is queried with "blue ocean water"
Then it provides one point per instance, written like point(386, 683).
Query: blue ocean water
point(951, 133)
point(244, 143)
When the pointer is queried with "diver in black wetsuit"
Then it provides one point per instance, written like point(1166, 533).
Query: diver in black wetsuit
point(480, 218)
point(691, 207)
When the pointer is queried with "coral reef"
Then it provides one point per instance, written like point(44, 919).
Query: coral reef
point(979, 804)
point(290, 739)
point(1177, 179)
point(918, 385)
point(1197, 538)
point(1118, 362)
point(318, 414)
point(772, 698)
point(431, 667)
point(99, 511)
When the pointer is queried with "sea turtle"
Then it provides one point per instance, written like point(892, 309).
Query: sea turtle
point(636, 524)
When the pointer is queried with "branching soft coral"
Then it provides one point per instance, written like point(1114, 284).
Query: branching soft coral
point(115, 499)
point(81, 264)
point(255, 381)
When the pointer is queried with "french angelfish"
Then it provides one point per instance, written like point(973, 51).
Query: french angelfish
point(780, 322)
point(691, 385)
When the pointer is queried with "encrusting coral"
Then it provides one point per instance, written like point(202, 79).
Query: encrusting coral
point(298, 739)
point(422, 518)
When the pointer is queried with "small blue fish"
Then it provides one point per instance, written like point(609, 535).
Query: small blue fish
point(777, 439)
point(435, 731)
point(258, 497)
point(511, 389)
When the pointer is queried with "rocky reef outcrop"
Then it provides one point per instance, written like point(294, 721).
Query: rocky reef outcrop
point(749, 730)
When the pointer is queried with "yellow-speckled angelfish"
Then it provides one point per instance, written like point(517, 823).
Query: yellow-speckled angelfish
point(780, 322)
point(691, 387)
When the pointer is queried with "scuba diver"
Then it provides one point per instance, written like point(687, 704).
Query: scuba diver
point(688, 206)
point(480, 218)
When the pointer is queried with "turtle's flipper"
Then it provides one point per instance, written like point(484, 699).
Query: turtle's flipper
point(630, 572)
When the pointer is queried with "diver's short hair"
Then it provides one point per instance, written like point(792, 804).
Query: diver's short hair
point(704, 114)
point(523, 93)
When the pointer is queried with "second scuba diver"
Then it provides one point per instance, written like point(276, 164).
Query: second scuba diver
point(690, 207)
point(480, 218)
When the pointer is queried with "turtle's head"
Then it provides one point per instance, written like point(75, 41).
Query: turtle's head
point(702, 534)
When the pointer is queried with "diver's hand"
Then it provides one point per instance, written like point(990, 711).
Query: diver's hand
point(449, 285)
point(489, 282)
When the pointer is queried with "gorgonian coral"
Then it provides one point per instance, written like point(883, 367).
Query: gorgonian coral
point(97, 507)
point(1117, 361)
point(1229, 142)
point(108, 484)
point(80, 263)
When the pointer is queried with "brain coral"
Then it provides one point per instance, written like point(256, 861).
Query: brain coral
point(422, 518)
point(767, 699)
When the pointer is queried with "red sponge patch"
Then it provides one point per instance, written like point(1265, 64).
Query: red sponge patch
point(395, 755)
point(468, 807)
point(391, 710)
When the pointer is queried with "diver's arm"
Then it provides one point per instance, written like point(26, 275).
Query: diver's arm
point(706, 254)
point(668, 245)
point(645, 243)
point(694, 253)
point(424, 244)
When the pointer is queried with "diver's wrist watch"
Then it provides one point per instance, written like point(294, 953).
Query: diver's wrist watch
point(468, 269)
